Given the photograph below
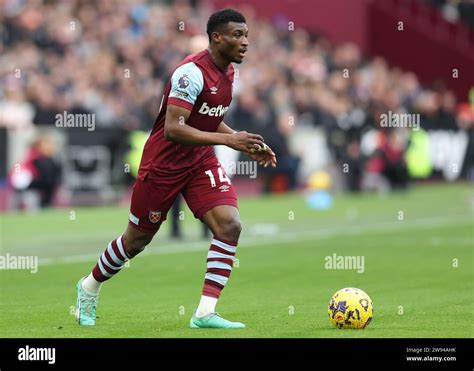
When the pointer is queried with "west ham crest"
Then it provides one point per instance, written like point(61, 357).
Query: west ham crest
point(154, 216)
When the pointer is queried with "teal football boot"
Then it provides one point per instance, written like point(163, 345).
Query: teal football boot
point(86, 306)
point(213, 320)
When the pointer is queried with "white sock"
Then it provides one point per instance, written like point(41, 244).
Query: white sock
point(91, 285)
point(207, 305)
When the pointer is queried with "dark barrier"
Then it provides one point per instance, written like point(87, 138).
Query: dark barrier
point(415, 37)
point(428, 45)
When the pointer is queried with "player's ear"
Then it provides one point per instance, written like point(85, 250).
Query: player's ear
point(216, 37)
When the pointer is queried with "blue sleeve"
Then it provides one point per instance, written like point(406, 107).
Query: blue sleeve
point(186, 83)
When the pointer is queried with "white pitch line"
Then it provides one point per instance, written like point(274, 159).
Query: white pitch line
point(278, 239)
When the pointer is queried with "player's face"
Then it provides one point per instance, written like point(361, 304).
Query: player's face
point(234, 43)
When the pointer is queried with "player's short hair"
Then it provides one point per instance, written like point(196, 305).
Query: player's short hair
point(221, 18)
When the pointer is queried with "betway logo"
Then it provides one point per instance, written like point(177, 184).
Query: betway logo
point(220, 110)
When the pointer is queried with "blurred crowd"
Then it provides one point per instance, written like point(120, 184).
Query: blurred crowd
point(112, 59)
point(456, 10)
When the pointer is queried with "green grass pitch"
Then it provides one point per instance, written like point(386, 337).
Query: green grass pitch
point(417, 248)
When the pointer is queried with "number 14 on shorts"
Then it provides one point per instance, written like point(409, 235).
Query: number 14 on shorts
point(222, 176)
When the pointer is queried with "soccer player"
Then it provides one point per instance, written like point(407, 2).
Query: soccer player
point(179, 158)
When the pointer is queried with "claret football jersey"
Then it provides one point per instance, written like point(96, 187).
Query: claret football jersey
point(198, 85)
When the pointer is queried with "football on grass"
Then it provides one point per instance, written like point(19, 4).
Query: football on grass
point(350, 308)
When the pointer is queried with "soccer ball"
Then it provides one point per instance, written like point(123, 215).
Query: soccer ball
point(260, 148)
point(350, 308)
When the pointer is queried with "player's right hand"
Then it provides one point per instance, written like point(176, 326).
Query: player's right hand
point(244, 141)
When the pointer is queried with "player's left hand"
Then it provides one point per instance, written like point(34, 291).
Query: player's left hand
point(265, 156)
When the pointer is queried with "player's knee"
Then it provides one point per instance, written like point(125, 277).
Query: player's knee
point(230, 229)
point(137, 244)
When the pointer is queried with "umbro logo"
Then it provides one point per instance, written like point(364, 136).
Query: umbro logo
point(224, 188)
point(213, 90)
